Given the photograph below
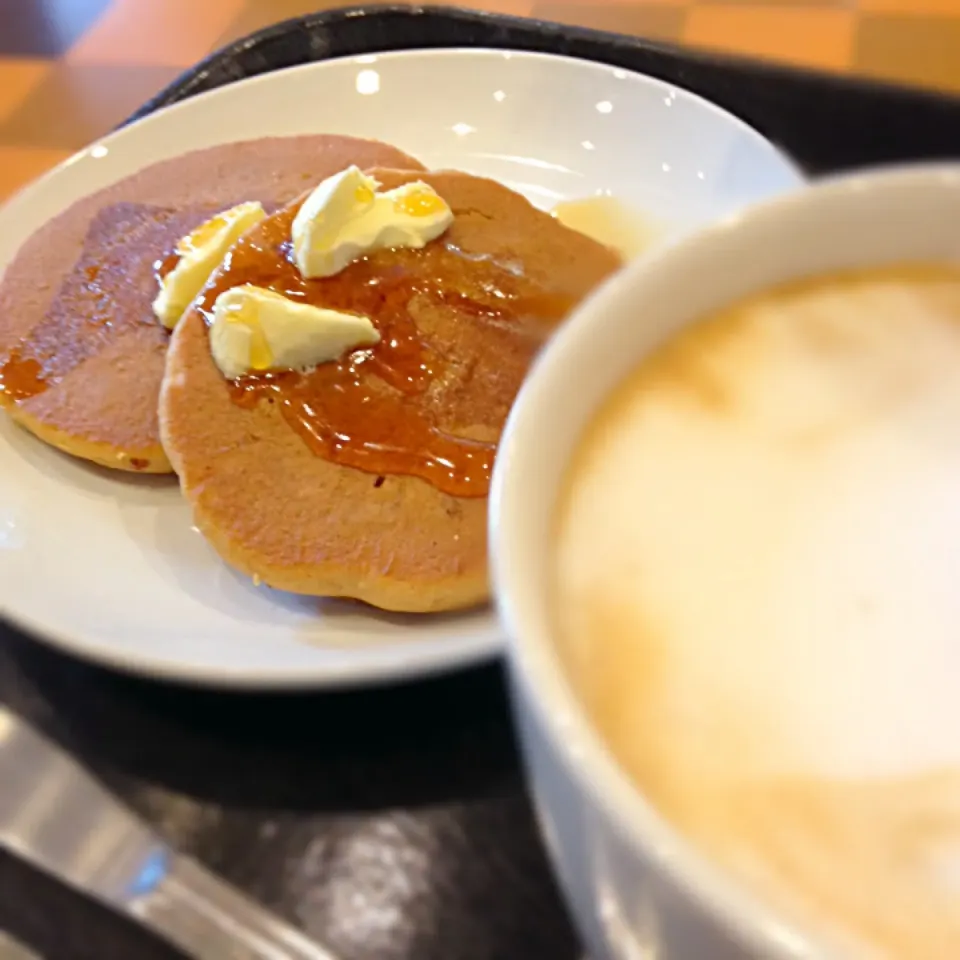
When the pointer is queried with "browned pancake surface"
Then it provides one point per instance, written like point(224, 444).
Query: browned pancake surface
point(482, 299)
point(76, 303)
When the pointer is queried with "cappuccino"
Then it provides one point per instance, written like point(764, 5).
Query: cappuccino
point(757, 599)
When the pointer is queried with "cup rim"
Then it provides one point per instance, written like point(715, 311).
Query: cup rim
point(534, 663)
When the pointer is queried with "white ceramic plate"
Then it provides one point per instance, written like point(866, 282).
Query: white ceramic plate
point(108, 566)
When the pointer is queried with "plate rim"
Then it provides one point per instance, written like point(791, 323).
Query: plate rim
point(136, 120)
point(466, 652)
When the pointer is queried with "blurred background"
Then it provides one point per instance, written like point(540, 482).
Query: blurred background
point(70, 70)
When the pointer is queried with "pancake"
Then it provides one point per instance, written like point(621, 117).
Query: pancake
point(81, 353)
point(368, 478)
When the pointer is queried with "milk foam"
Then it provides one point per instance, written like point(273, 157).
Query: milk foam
point(758, 594)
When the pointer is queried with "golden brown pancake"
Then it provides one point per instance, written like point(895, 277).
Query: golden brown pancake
point(367, 478)
point(81, 353)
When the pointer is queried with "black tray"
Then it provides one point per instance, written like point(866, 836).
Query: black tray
point(390, 823)
point(826, 122)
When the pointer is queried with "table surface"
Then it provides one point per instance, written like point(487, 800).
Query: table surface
point(72, 69)
point(390, 823)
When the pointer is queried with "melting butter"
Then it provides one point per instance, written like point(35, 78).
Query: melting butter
point(609, 221)
point(255, 329)
point(346, 217)
point(199, 253)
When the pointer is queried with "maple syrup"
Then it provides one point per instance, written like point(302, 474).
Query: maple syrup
point(414, 403)
point(21, 377)
point(165, 265)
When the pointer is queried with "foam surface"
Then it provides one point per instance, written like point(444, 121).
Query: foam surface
point(758, 590)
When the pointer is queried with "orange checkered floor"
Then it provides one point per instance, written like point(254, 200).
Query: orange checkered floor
point(72, 69)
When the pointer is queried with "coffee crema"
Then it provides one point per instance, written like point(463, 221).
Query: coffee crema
point(756, 598)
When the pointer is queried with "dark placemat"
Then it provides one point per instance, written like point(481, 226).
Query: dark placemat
point(390, 823)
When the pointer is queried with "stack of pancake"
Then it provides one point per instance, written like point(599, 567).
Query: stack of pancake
point(86, 367)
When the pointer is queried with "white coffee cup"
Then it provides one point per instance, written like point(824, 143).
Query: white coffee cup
point(636, 888)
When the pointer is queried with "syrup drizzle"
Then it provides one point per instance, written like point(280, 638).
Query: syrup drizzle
point(165, 265)
point(21, 377)
point(407, 405)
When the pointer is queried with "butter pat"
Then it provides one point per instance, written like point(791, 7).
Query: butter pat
point(200, 253)
point(255, 329)
point(345, 218)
